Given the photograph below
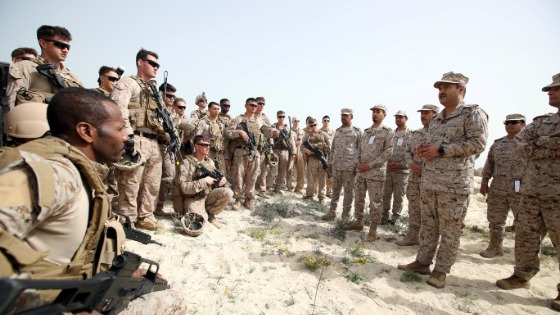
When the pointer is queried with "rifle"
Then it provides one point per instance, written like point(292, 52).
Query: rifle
point(49, 70)
point(251, 142)
point(167, 123)
point(134, 234)
point(107, 292)
point(4, 106)
point(318, 154)
point(202, 172)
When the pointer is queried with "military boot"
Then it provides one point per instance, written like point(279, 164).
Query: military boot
point(357, 225)
point(437, 279)
point(372, 235)
point(409, 240)
point(416, 267)
point(236, 205)
point(494, 248)
point(262, 194)
point(331, 215)
point(513, 282)
point(147, 223)
point(248, 204)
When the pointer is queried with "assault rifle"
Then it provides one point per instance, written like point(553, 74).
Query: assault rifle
point(134, 234)
point(251, 142)
point(4, 106)
point(49, 70)
point(167, 121)
point(216, 174)
point(107, 292)
point(318, 154)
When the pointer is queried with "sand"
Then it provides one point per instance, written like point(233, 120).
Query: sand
point(254, 264)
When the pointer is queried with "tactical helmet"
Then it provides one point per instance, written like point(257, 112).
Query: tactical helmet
point(27, 121)
point(271, 159)
point(130, 161)
point(193, 224)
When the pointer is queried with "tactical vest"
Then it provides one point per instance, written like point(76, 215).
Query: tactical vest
point(253, 127)
point(97, 248)
point(143, 114)
point(216, 135)
point(317, 141)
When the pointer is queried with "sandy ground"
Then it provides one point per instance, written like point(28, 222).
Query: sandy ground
point(256, 264)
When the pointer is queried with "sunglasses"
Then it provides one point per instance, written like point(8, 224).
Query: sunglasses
point(312, 125)
point(172, 96)
point(253, 105)
point(281, 116)
point(112, 79)
point(296, 120)
point(326, 120)
point(201, 101)
point(225, 105)
point(152, 63)
point(24, 58)
point(206, 145)
point(512, 122)
point(58, 44)
point(262, 103)
point(182, 107)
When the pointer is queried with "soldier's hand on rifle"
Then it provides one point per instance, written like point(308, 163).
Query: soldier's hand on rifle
point(209, 180)
point(164, 137)
point(275, 133)
point(222, 182)
point(244, 135)
point(308, 152)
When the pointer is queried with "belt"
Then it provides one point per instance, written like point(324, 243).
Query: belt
point(240, 147)
point(145, 134)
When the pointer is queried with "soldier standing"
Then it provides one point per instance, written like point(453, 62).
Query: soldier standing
point(506, 169)
point(343, 161)
point(108, 77)
point(315, 172)
point(262, 142)
point(224, 118)
point(214, 131)
point(376, 147)
point(246, 158)
point(539, 144)
point(139, 188)
point(397, 171)
point(455, 135)
point(299, 163)
point(26, 84)
point(328, 130)
point(284, 148)
point(416, 164)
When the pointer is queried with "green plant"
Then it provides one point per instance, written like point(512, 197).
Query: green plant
point(411, 276)
point(338, 231)
point(548, 250)
point(354, 277)
point(312, 263)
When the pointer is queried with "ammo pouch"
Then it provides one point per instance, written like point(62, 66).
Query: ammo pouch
point(26, 96)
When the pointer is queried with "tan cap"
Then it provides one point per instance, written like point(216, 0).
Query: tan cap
point(452, 77)
point(401, 112)
point(427, 107)
point(512, 117)
point(346, 111)
point(555, 82)
point(380, 106)
point(27, 121)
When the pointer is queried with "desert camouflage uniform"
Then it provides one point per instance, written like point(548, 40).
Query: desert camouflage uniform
point(330, 133)
point(23, 76)
point(284, 150)
point(447, 182)
point(376, 147)
point(417, 138)
point(396, 180)
point(315, 171)
point(505, 167)
point(228, 150)
point(199, 114)
point(299, 165)
point(102, 91)
point(246, 163)
point(261, 179)
point(167, 167)
point(540, 200)
point(215, 133)
point(344, 158)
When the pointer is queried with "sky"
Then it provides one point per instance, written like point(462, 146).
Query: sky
point(311, 57)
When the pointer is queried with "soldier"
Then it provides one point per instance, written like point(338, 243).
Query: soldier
point(108, 77)
point(299, 163)
point(539, 144)
point(25, 84)
point(262, 142)
point(23, 53)
point(283, 147)
point(224, 117)
point(213, 130)
point(179, 106)
point(376, 147)
point(139, 188)
point(342, 163)
point(416, 164)
point(506, 169)
point(201, 102)
point(327, 129)
point(315, 172)
point(397, 171)
point(455, 135)
point(199, 193)
point(246, 158)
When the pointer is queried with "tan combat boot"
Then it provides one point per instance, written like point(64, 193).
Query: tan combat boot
point(236, 205)
point(262, 194)
point(513, 282)
point(437, 279)
point(331, 215)
point(248, 204)
point(357, 225)
point(494, 248)
point(416, 267)
point(372, 234)
point(409, 240)
point(147, 223)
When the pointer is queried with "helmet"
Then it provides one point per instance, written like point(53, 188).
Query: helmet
point(193, 224)
point(27, 121)
point(130, 161)
point(271, 158)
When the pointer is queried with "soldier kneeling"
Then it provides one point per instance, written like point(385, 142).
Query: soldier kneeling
point(198, 189)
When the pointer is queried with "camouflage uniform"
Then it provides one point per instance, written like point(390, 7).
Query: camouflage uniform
point(505, 167)
point(25, 82)
point(396, 180)
point(261, 179)
point(344, 158)
point(214, 131)
point(540, 201)
point(199, 114)
point(284, 150)
point(329, 180)
point(167, 168)
point(376, 147)
point(447, 182)
point(102, 91)
point(315, 171)
point(299, 165)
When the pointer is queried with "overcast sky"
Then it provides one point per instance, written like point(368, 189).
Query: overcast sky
point(312, 58)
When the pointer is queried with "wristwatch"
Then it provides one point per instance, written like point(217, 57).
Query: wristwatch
point(441, 150)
